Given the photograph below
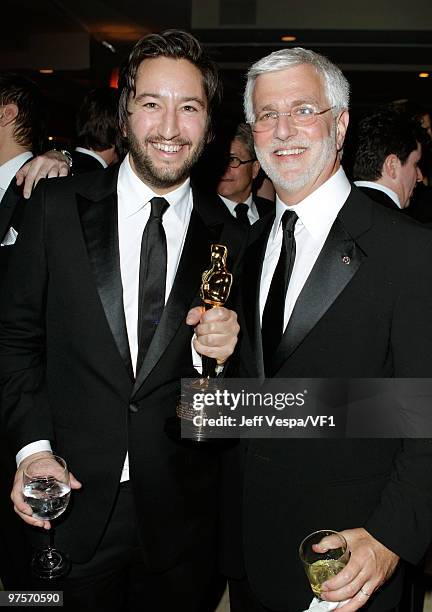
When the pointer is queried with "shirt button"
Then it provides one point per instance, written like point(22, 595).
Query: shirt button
point(133, 407)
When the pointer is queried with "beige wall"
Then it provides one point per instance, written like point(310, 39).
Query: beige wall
point(334, 14)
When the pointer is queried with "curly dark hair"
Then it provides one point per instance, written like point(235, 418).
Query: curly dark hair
point(174, 44)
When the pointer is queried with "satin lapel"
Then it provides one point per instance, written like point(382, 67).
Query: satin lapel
point(338, 262)
point(251, 280)
point(100, 229)
point(193, 261)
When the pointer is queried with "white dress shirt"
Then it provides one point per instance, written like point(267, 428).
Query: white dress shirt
point(10, 168)
point(252, 209)
point(316, 214)
point(92, 154)
point(133, 213)
point(372, 185)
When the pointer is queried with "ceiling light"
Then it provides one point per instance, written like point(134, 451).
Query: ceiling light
point(288, 38)
point(108, 45)
point(423, 75)
point(46, 71)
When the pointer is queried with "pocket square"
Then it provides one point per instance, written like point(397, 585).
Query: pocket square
point(10, 237)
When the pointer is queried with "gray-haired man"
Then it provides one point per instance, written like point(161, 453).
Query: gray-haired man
point(343, 291)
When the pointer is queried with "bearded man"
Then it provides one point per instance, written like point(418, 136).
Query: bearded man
point(96, 333)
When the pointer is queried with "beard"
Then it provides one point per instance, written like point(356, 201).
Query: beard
point(166, 176)
point(309, 174)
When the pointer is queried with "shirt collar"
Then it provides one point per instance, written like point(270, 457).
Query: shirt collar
point(92, 154)
point(231, 205)
point(318, 211)
point(11, 167)
point(138, 194)
point(372, 185)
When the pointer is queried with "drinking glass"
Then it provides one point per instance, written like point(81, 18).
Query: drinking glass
point(320, 566)
point(46, 489)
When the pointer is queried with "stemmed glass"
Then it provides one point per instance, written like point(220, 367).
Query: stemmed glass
point(320, 566)
point(46, 489)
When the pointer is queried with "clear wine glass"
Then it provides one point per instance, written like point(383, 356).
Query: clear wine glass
point(320, 566)
point(46, 489)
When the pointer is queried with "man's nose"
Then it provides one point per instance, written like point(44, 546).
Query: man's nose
point(169, 126)
point(285, 127)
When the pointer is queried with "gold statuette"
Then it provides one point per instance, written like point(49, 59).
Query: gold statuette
point(216, 281)
point(215, 289)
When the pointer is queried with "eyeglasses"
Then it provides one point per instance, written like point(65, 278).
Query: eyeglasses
point(303, 114)
point(235, 162)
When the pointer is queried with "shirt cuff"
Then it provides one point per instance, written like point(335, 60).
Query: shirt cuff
point(33, 447)
point(197, 360)
point(196, 357)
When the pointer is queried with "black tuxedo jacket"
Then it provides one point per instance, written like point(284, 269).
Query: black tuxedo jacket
point(264, 206)
point(67, 375)
point(365, 311)
point(420, 207)
point(11, 213)
point(379, 196)
point(81, 162)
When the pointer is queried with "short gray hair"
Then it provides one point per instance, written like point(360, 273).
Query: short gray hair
point(244, 134)
point(335, 84)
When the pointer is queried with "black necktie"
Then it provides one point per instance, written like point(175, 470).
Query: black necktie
point(272, 327)
point(241, 211)
point(152, 277)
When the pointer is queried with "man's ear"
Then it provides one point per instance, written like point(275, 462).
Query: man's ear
point(9, 114)
point(341, 129)
point(255, 169)
point(391, 166)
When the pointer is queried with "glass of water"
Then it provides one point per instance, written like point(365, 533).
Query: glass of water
point(46, 489)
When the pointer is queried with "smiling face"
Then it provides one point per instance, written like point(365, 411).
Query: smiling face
point(168, 122)
point(236, 183)
point(298, 159)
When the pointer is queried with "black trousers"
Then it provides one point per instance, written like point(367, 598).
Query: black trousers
point(117, 578)
point(15, 551)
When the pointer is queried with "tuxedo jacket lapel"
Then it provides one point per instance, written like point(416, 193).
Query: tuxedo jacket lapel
point(251, 280)
point(336, 265)
point(338, 262)
point(99, 221)
point(204, 227)
point(194, 257)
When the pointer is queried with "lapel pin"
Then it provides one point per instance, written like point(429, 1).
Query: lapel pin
point(346, 260)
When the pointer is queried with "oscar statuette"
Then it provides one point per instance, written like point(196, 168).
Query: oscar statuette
point(215, 289)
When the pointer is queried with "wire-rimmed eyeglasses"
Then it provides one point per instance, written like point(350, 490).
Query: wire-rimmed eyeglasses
point(301, 115)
